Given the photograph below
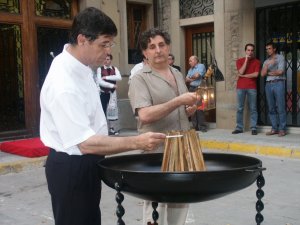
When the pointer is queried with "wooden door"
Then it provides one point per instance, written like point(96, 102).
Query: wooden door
point(199, 39)
point(20, 60)
point(136, 24)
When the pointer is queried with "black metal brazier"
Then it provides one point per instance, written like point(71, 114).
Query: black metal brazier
point(140, 175)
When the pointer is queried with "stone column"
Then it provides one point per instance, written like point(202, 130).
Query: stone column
point(234, 27)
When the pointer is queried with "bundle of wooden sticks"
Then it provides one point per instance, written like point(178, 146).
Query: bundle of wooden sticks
point(182, 152)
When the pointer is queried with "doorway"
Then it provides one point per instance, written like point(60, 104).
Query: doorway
point(281, 24)
point(30, 30)
point(199, 41)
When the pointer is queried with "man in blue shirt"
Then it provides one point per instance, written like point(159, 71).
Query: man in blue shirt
point(193, 79)
point(274, 70)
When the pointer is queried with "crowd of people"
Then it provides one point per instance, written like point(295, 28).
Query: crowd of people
point(74, 118)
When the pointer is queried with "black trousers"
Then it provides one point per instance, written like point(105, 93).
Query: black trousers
point(75, 188)
point(104, 97)
point(198, 119)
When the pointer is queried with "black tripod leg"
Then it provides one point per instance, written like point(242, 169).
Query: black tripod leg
point(155, 215)
point(120, 211)
point(260, 182)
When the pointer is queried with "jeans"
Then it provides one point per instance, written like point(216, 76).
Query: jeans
point(251, 95)
point(275, 93)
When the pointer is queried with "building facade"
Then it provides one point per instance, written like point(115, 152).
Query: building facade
point(33, 32)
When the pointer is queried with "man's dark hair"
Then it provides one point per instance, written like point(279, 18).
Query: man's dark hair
point(110, 56)
point(172, 56)
point(272, 44)
point(249, 44)
point(151, 33)
point(91, 23)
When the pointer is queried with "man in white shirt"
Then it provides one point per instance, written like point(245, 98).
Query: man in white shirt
point(138, 67)
point(73, 123)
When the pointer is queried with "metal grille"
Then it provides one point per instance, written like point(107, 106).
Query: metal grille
point(12, 115)
point(200, 47)
point(194, 8)
point(281, 24)
point(10, 6)
point(53, 8)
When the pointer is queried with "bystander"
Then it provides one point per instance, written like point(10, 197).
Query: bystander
point(248, 69)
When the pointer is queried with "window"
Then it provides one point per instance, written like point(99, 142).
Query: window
point(136, 19)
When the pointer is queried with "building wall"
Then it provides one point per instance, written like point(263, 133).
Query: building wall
point(235, 23)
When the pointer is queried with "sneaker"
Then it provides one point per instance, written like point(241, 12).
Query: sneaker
point(272, 132)
point(237, 131)
point(281, 133)
point(254, 132)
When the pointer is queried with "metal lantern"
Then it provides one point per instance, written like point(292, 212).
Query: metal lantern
point(206, 93)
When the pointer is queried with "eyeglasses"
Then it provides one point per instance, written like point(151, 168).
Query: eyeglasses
point(108, 45)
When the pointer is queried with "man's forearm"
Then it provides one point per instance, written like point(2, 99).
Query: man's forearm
point(243, 68)
point(105, 145)
point(276, 73)
point(154, 113)
point(264, 71)
point(251, 75)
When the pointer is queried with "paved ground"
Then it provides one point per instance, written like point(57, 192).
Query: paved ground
point(288, 146)
point(24, 200)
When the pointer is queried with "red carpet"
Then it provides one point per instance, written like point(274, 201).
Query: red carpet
point(32, 147)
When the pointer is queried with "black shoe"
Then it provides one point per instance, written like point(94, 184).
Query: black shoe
point(111, 131)
point(203, 129)
point(254, 132)
point(237, 132)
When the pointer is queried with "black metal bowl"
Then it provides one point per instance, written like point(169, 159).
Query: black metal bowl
point(139, 175)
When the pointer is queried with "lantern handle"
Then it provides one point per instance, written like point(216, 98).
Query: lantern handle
point(217, 72)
